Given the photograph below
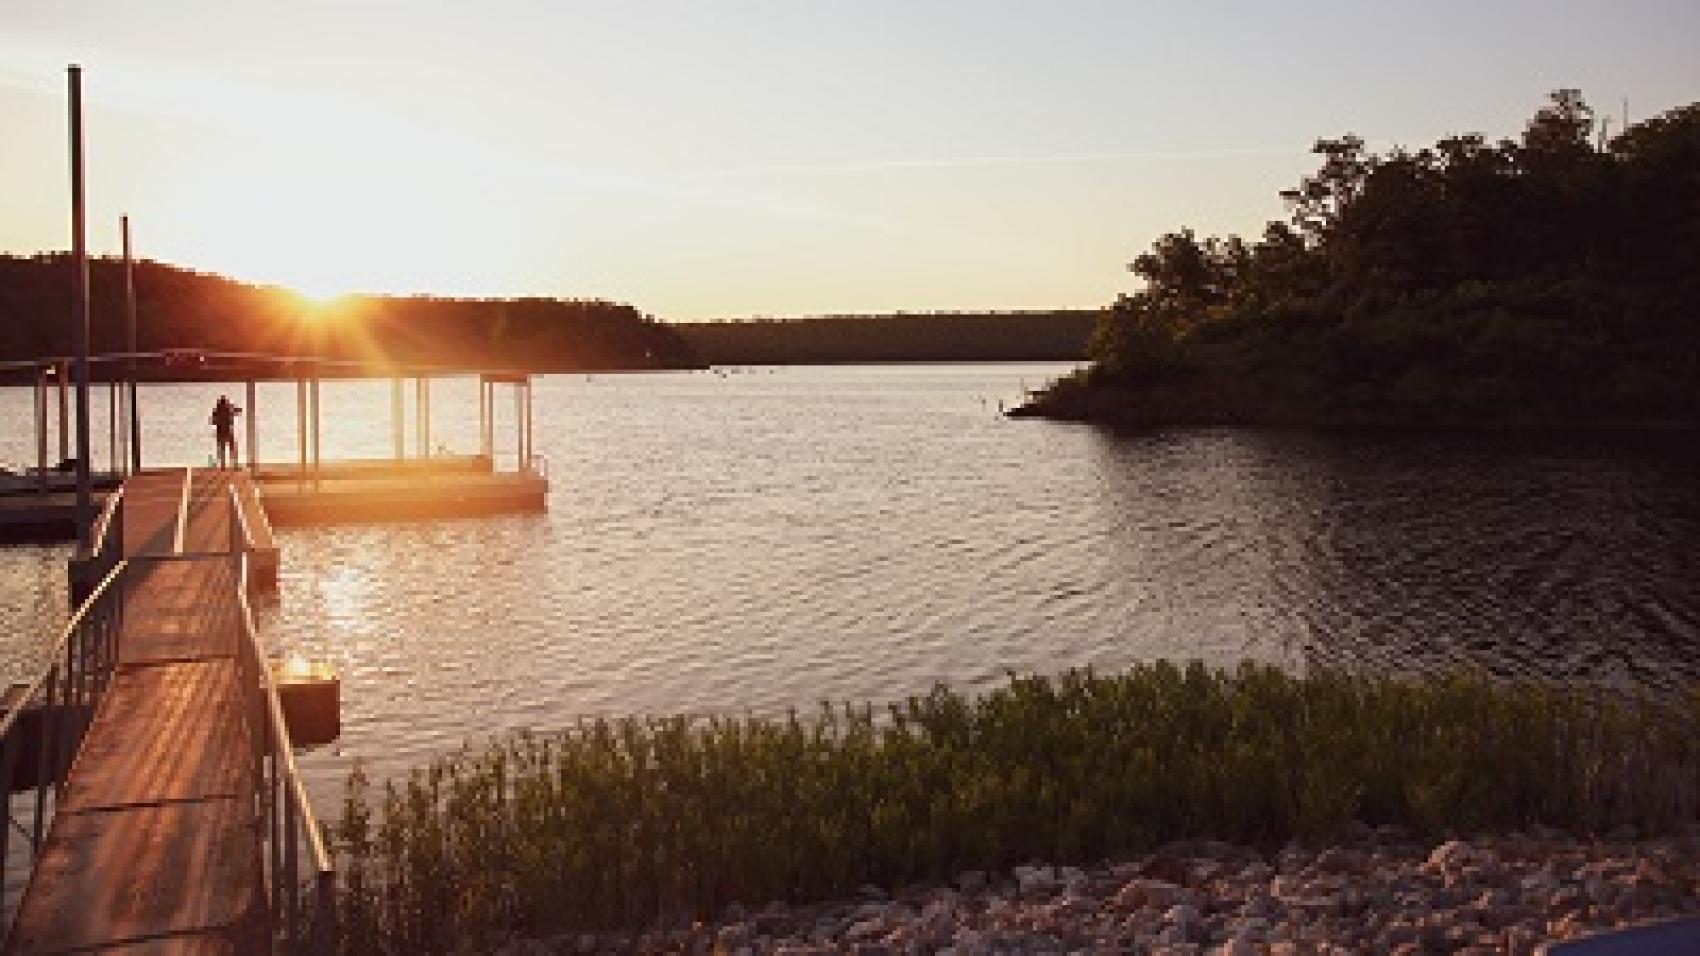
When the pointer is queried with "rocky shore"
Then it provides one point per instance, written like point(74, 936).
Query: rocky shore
point(1379, 891)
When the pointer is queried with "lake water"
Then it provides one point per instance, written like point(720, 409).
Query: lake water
point(771, 538)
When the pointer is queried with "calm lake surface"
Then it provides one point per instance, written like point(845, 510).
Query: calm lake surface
point(771, 538)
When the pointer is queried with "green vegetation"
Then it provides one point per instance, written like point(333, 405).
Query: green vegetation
point(623, 822)
point(1549, 281)
point(178, 308)
point(1060, 335)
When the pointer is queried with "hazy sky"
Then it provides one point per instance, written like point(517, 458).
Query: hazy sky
point(730, 158)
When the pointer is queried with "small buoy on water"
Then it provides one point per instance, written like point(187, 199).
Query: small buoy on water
point(311, 695)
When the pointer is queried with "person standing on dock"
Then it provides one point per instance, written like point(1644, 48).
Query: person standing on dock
point(224, 427)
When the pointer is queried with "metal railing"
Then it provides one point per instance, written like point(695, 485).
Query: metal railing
point(44, 723)
point(300, 925)
point(45, 720)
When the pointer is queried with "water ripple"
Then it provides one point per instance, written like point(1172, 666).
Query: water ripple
point(757, 543)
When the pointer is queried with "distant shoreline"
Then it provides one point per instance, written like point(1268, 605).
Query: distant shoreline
point(1164, 407)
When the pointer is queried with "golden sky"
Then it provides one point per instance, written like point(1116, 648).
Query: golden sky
point(738, 158)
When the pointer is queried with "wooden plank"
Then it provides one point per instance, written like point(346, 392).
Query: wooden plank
point(166, 643)
point(194, 944)
point(174, 732)
point(150, 511)
point(144, 874)
point(208, 525)
point(179, 610)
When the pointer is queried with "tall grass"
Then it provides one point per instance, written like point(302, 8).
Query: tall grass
point(614, 823)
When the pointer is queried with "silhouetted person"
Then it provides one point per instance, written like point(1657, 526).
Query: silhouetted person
point(224, 427)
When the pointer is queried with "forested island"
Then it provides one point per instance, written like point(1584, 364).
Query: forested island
point(1547, 281)
point(1036, 335)
point(179, 308)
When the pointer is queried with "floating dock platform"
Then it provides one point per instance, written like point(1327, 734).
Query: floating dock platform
point(309, 501)
point(409, 484)
point(335, 493)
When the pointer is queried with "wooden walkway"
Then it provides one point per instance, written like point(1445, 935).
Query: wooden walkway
point(156, 845)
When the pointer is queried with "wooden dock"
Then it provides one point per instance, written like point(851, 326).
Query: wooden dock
point(328, 493)
point(179, 819)
point(156, 842)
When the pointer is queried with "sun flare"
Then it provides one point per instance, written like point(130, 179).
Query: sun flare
point(320, 295)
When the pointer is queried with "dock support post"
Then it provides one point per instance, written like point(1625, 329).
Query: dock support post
point(253, 429)
point(482, 412)
point(41, 426)
point(526, 465)
point(398, 434)
point(418, 417)
point(301, 424)
point(122, 465)
point(63, 374)
point(112, 460)
point(318, 459)
point(519, 429)
point(421, 430)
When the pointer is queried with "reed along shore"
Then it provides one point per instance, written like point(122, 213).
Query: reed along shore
point(675, 825)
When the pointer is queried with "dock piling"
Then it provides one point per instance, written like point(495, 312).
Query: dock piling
point(301, 420)
point(41, 426)
point(62, 375)
point(135, 414)
point(80, 306)
point(398, 434)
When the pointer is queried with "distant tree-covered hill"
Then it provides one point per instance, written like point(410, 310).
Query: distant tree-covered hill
point(1550, 280)
point(1059, 335)
point(180, 308)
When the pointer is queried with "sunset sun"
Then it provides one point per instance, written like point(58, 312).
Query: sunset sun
point(319, 291)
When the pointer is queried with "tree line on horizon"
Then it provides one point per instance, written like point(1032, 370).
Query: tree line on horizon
point(180, 308)
point(1552, 279)
point(1022, 335)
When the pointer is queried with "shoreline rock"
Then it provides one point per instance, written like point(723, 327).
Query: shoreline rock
point(1380, 891)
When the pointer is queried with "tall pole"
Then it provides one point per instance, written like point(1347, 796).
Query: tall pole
point(80, 308)
point(130, 343)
